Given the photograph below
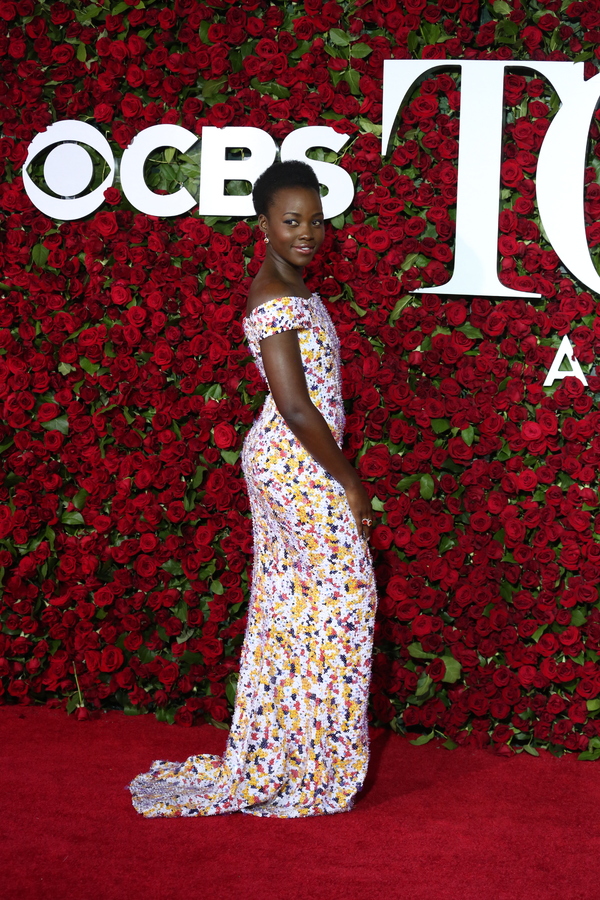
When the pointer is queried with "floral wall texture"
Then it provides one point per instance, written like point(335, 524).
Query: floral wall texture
point(125, 542)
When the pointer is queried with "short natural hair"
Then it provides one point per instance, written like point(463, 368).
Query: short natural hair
point(292, 173)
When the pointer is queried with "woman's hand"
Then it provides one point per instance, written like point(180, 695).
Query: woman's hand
point(361, 507)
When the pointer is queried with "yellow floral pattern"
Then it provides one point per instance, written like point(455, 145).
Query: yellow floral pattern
point(298, 744)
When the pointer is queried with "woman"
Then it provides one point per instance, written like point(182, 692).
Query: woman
point(298, 744)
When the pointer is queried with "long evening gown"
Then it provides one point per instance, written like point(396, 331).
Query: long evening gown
point(298, 744)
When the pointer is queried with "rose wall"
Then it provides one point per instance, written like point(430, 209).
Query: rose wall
point(125, 541)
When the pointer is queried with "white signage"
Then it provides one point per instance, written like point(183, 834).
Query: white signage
point(560, 172)
point(68, 168)
point(565, 351)
point(560, 168)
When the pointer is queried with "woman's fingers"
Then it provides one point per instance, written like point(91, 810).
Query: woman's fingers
point(364, 523)
point(360, 506)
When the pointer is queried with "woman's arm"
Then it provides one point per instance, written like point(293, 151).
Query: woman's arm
point(283, 367)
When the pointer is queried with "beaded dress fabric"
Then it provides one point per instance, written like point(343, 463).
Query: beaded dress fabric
point(298, 744)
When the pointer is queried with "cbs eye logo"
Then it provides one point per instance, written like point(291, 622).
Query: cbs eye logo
point(68, 170)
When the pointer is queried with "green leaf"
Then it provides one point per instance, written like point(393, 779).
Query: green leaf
point(417, 652)
point(302, 48)
point(528, 748)
point(369, 127)
point(593, 705)
point(407, 481)
point(339, 37)
point(271, 88)
point(352, 77)
point(377, 504)
point(217, 588)
point(423, 739)
point(360, 50)
point(468, 435)
point(578, 617)
point(539, 632)
point(427, 487)
point(453, 668)
point(400, 304)
point(447, 542)
point(173, 567)
point(72, 704)
point(88, 366)
point(471, 332)
point(231, 688)
point(230, 456)
point(50, 535)
point(238, 188)
point(185, 634)
point(339, 221)
point(64, 368)
point(200, 470)
point(39, 254)
point(450, 744)
point(72, 518)
point(60, 424)
point(360, 312)
point(506, 31)
point(502, 8)
point(81, 52)
point(440, 425)
point(210, 89)
point(409, 260)
point(590, 754)
point(80, 498)
point(214, 392)
point(6, 444)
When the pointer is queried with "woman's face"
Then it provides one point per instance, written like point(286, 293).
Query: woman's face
point(294, 225)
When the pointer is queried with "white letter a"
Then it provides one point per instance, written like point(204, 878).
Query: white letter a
point(565, 351)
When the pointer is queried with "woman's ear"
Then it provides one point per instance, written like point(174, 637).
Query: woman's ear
point(262, 223)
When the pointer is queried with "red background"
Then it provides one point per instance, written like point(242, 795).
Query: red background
point(126, 385)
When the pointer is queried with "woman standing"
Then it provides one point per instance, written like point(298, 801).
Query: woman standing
point(298, 744)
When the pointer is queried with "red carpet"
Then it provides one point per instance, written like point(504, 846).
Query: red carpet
point(431, 824)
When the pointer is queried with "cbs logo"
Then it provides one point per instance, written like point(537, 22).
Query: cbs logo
point(233, 154)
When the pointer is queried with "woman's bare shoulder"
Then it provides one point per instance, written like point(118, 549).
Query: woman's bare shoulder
point(264, 291)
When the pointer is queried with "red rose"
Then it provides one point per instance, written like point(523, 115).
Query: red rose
point(184, 717)
point(382, 537)
point(169, 674)
point(225, 435)
point(436, 669)
point(111, 660)
point(211, 649)
point(459, 451)
point(375, 463)
point(104, 597)
point(502, 734)
point(105, 224)
point(48, 411)
point(421, 626)
point(163, 355)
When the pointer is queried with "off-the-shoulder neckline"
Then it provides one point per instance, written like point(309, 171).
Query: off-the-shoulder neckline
point(276, 299)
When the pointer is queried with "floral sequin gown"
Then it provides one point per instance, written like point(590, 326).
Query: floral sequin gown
point(298, 744)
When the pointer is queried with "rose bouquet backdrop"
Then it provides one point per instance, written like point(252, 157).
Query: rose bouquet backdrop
point(127, 388)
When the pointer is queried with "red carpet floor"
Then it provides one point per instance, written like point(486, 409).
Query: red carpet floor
point(431, 824)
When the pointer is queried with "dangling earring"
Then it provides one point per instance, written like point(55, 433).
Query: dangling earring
point(266, 239)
